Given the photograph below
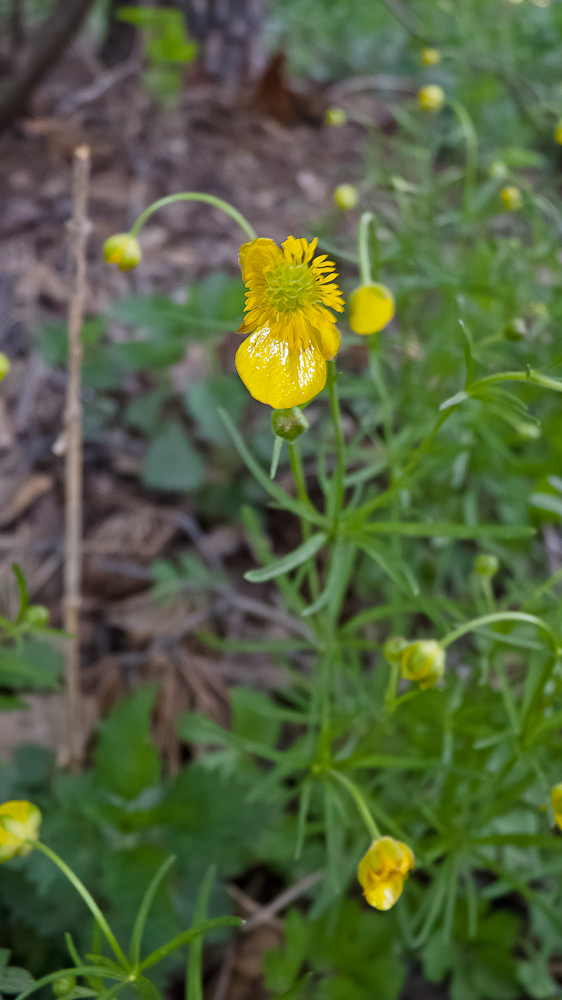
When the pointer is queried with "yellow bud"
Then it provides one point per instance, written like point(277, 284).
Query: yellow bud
point(511, 199)
point(558, 133)
point(346, 196)
point(430, 57)
point(123, 250)
point(423, 661)
point(371, 308)
point(335, 116)
point(556, 799)
point(431, 97)
point(19, 823)
point(4, 366)
point(383, 870)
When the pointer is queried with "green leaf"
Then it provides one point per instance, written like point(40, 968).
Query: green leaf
point(195, 964)
point(148, 899)
point(443, 529)
point(15, 980)
point(289, 562)
point(171, 463)
point(203, 399)
point(187, 937)
point(126, 759)
point(144, 411)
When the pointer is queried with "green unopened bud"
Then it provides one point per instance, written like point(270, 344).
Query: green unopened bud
point(335, 116)
point(289, 424)
point(528, 431)
point(62, 987)
point(123, 250)
point(497, 170)
point(486, 565)
point(423, 661)
point(37, 615)
point(4, 365)
point(393, 649)
point(515, 329)
point(346, 196)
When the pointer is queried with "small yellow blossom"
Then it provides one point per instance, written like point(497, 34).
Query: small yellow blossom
point(371, 308)
point(335, 116)
point(383, 870)
point(19, 823)
point(123, 250)
point(558, 132)
point(423, 661)
point(346, 196)
point(431, 97)
point(292, 330)
point(556, 799)
point(511, 199)
point(430, 57)
point(4, 366)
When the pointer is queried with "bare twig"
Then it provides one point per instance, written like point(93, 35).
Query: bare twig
point(71, 102)
point(73, 428)
point(266, 913)
point(375, 81)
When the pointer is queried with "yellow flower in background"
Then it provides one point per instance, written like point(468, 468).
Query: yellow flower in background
point(4, 366)
point(371, 308)
point(431, 97)
point(123, 250)
point(423, 661)
point(346, 196)
point(511, 198)
point(292, 332)
point(556, 799)
point(19, 823)
point(383, 870)
point(430, 57)
point(335, 116)
point(558, 132)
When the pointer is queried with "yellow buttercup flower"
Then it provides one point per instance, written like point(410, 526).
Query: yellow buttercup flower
point(558, 133)
point(556, 799)
point(123, 250)
point(431, 98)
point(383, 870)
point(511, 198)
point(371, 308)
point(292, 332)
point(423, 661)
point(346, 196)
point(430, 57)
point(19, 823)
point(335, 116)
point(4, 366)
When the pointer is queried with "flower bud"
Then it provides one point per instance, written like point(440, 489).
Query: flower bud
point(289, 424)
point(556, 799)
point(558, 133)
point(123, 250)
point(19, 823)
point(383, 871)
point(393, 649)
point(528, 431)
point(497, 170)
point(346, 196)
point(63, 986)
point(335, 116)
point(511, 198)
point(486, 565)
point(515, 329)
point(430, 57)
point(371, 308)
point(4, 366)
point(37, 615)
point(423, 661)
point(431, 97)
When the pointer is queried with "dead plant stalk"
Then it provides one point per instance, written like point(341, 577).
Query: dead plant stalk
point(73, 432)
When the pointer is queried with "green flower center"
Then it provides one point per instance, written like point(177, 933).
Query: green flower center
point(290, 287)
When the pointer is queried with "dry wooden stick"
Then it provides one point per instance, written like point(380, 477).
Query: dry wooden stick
point(73, 432)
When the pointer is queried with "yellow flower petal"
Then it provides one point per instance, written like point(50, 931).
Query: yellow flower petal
point(371, 308)
point(556, 799)
point(383, 870)
point(278, 373)
point(256, 255)
point(19, 823)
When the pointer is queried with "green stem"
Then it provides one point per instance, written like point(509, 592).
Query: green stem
point(337, 494)
point(362, 806)
point(392, 688)
point(471, 140)
point(89, 901)
point(302, 493)
point(499, 616)
point(209, 199)
point(365, 271)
